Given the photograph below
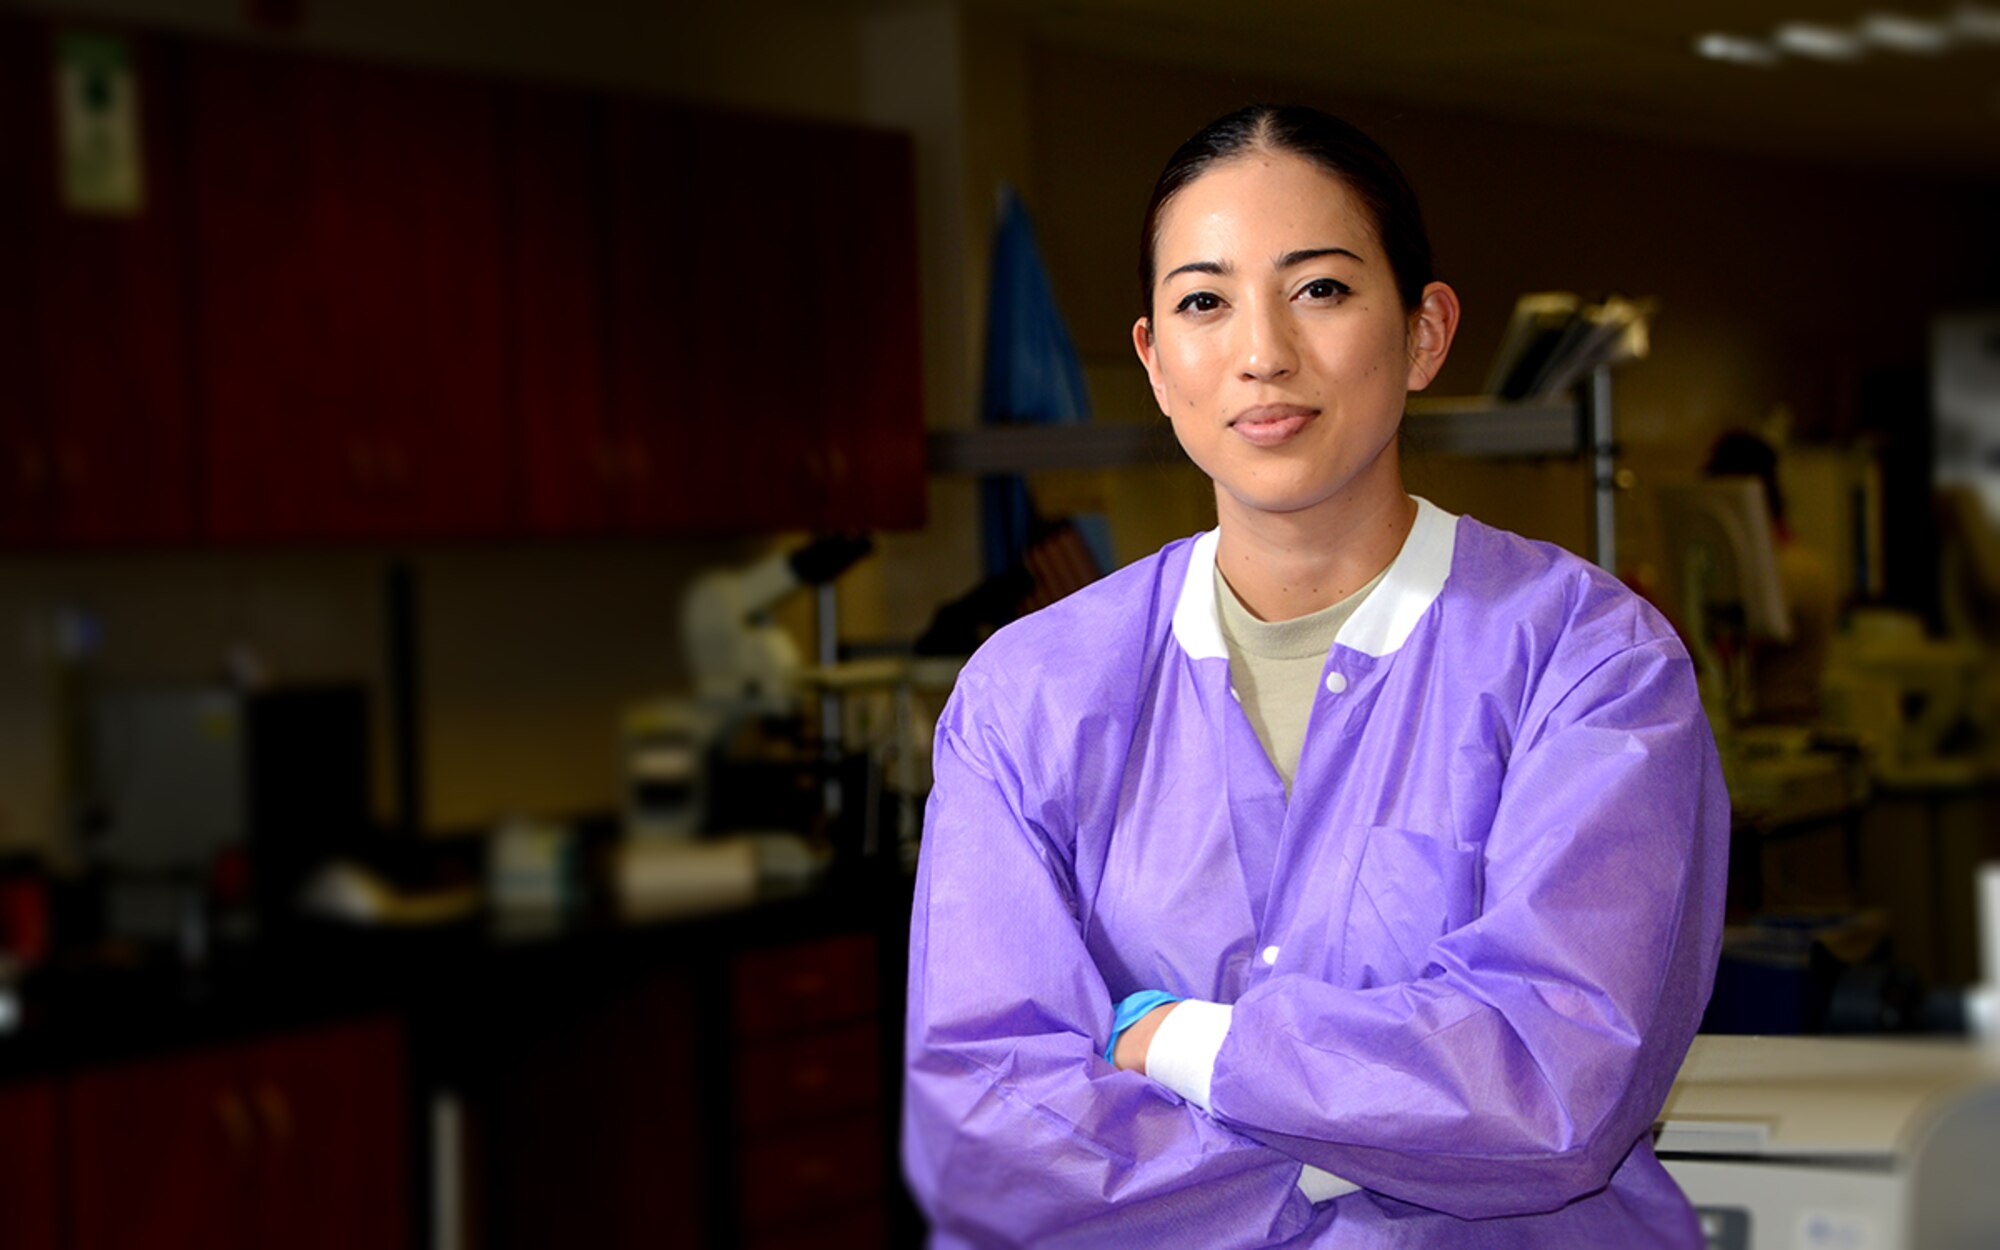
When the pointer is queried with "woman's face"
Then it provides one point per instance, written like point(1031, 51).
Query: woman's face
point(1278, 345)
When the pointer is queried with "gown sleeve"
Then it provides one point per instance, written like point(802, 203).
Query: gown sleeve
point(1016, 1131)
point(1534, 1050)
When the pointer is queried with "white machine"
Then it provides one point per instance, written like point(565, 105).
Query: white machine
point(1812, 1143)
point(1835, 1143)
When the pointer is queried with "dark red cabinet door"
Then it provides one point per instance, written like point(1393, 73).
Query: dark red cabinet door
point(96, 421)
point(572, 461)
point(350, 331)
point(655, 336)
point(763, 343)
point(29, 1168)
point(161, 1155)
point(870, 419)
point(298, 1141)
point(332, 1168)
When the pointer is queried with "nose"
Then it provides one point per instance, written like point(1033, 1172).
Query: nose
point(1266, 351)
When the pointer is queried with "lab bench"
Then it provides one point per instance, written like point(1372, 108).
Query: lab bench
point(721, 1078)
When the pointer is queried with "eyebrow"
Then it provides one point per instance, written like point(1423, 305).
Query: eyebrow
point(1304, 254)
point(1222, 268)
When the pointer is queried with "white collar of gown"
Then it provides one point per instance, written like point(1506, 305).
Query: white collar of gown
point(1379, 626)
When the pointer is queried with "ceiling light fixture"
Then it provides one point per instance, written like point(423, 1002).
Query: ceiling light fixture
point(1819, 43)
point(1977, 21)
point(1900, 33)
point(1735, 49)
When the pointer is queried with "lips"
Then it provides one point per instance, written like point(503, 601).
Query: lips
point(1269, 425)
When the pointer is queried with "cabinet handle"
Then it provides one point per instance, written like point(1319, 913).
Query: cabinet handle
point(605, 461)
point(361, 464)
point(638, 461)
point(70, 468)
point(806, 984)
point(234, 1118)
point(33, 469)
point(276, 1112)
point(395, 465)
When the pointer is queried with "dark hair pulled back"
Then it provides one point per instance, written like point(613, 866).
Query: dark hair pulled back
point(1334, 145)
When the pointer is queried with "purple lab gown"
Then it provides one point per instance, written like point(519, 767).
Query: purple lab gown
point(1466, 959)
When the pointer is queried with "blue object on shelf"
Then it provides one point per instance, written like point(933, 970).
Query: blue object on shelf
point(1032, 377)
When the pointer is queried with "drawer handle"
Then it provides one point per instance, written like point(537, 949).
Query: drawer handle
point(276, 1111)
point(811, 1077)
point(234, 1118)
point(807, 984)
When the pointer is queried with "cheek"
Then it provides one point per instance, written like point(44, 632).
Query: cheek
point(1184, 379)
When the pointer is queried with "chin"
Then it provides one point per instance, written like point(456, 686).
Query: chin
point(1278, 502)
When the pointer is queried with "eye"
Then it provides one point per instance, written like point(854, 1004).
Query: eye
point(1325, 289)
point(1198, 301)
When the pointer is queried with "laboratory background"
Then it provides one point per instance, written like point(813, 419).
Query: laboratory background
point(492, 498)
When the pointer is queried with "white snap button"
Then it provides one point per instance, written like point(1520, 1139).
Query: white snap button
point(1270, 955)
point(1336, 682)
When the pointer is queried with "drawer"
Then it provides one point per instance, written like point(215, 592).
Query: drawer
point(793, 1175)
point(859, 1228)
point(818, 1076)
point(789, 989)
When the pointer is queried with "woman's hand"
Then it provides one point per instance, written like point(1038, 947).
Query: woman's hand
point(1133, 1043)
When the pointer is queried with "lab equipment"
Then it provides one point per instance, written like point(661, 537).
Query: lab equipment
point(746, 672)
point(1722, 575)
point(1808, 1143)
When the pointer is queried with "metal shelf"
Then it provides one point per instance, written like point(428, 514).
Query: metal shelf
point(1481, 427)
point(1449, 427)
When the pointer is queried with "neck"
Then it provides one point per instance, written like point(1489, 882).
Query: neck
point(1285, 565)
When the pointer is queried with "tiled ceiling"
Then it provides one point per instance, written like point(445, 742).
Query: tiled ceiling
point(1600, 64)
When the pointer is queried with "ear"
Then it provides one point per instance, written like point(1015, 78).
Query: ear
point(1142, 343)
point(1432, 327)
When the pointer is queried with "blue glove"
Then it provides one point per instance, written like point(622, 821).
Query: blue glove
point(1129, 1011)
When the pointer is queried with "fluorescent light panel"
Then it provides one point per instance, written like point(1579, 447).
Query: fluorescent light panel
point(1818, 43)
point(1735, 49)
point(1912, 35)
point(1893, 32)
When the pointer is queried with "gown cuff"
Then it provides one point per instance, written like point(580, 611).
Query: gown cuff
point(1182, 1054)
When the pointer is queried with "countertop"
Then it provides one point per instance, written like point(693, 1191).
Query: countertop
point(491, 966)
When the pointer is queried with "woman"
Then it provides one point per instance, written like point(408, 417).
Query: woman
point(1188, 970)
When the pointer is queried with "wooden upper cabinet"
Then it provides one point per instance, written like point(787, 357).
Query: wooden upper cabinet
point(97, 442)
point(350, 334)
point(763, 339)
point(655, 347)
point(552, 171)
point(369, 303)
point(870, 417)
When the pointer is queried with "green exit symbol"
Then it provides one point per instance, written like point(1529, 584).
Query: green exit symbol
point(97, 124)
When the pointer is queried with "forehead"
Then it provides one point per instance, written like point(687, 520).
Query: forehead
point(1263, 202)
